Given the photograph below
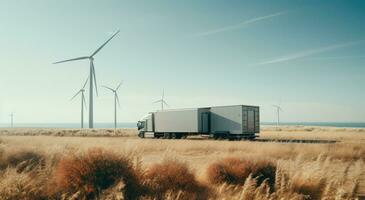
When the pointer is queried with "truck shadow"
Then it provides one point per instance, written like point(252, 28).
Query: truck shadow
point(296, 141)
point(275, 140)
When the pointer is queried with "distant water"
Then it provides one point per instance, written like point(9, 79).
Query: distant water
point(134, 125)
point(327, 124)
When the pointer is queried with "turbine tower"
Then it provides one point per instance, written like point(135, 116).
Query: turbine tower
point(83, 102)
point(92, 78)
point(12, 120)
point(116, 99)
point(278, 109)
point(162, 100)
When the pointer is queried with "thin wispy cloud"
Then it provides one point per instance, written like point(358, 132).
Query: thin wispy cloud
point(238, 26)
point(335, 57)
point(310, 52)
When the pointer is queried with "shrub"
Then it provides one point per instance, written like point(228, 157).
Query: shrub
point(235, 171)
point(228, 170)
point(23, 160)
point(95, 170)
point(174, 180)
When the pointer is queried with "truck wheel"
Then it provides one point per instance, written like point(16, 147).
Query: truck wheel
point(167, 136)
point(174, 136)
point(141, 134)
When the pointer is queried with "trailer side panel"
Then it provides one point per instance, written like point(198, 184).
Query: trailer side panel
point(226, 119)
point(177, 121)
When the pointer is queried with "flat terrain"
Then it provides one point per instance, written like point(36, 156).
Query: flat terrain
point(342, 160)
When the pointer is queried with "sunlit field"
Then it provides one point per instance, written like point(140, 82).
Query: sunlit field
point(64, 164)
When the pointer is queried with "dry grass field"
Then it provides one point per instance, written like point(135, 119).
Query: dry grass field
point(63, 164)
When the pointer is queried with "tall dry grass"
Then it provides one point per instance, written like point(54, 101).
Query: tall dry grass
point(104, 174)
point(85, 167)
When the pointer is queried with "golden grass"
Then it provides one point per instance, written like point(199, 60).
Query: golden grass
point(267, 132)
point(179, 169)
point(99, 132)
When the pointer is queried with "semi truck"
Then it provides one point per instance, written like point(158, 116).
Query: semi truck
point(218, 122)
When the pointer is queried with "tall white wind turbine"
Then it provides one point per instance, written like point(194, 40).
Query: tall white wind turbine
point(162, 100)
point(278, 109)
point(11, 120)
point(83, 102)
point(116, 99)
point(91, 77)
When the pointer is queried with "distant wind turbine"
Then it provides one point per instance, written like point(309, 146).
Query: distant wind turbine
point(92, 77)
point(116, 99)
point(278, 109)
point(162, 100)
point(12, 120)
point(83, 102)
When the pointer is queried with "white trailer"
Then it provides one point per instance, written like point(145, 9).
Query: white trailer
point(231, 122)
point(235, 121)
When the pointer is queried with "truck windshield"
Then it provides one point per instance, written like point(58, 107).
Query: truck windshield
point(140, 125)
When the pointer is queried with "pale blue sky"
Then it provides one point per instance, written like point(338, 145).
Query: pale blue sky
point(308, 55)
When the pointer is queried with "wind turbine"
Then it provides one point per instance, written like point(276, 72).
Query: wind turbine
point(278, 109)
point(92, 77)
point(83, 102)
point(162, 100)
point(12, 118)
point(116, 99)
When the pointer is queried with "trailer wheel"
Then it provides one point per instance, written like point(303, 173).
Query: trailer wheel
point(167, 136)
point(174, 136)
point(179, 135)
point(214, 136)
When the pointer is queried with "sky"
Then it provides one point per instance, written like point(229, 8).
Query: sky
point(307, 56)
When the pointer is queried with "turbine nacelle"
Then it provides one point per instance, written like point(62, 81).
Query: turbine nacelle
point(162, 100)
point(115, 91)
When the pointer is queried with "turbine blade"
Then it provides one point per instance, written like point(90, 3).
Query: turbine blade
point(117, 99)
point(73, 59)
point(121, 82)
point(75, 95)
point(108, 88)
point(96, 86)
point(83, 87)
point(157, 101)
point(104, 44)
point(164, 102)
